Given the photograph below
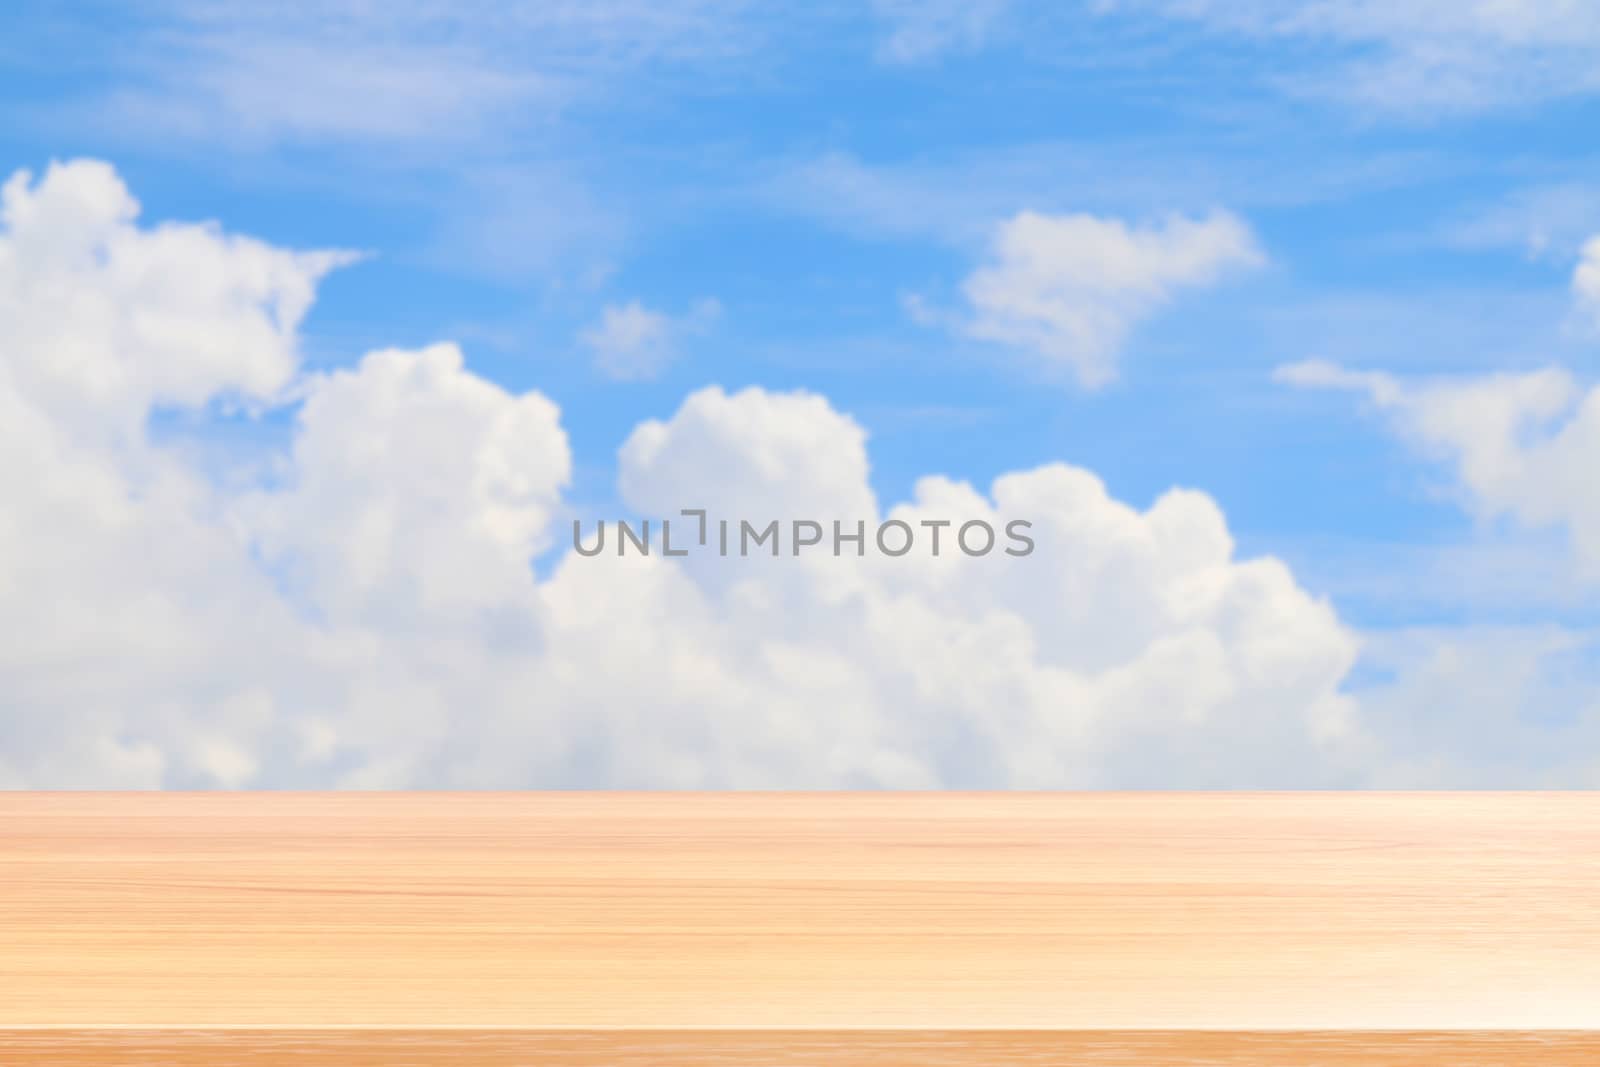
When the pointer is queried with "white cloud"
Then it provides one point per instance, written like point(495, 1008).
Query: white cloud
point(632, 342)
point(1383, 388)
point(414, 489)
point(1479, 705)
point(1486, 707)
point(1418, 57)
point(1586, 282)
point(1069, 288)
point(1523, 446)
point(1131, 647)
point(116, 320)
point(365, 614)
point(137, 629)
point(769, 453)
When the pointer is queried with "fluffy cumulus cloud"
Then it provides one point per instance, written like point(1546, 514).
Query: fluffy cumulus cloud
point(355, 606)
point(1069, 288)
point(105, 321)
point(1524, 447)
point(632, 342)
point(1134, 648)
point(1479, 705)
point(413, 488)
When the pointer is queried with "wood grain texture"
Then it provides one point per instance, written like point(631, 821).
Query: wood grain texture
point(790, 1048)
point(821, 912)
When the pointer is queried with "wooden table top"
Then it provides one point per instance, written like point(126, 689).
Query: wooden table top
point(819, 912)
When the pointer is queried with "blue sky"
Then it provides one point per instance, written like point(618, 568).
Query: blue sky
point(800, 200)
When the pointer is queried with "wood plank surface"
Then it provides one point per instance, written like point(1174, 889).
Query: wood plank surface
point(791, 1048)
point(814, 912)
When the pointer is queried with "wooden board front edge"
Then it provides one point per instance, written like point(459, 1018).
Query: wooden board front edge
point(541, 920)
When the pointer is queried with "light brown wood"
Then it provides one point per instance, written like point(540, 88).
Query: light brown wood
point(791, 1048)
point(823, 911)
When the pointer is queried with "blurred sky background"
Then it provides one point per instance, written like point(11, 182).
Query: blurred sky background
point(1325, 262)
